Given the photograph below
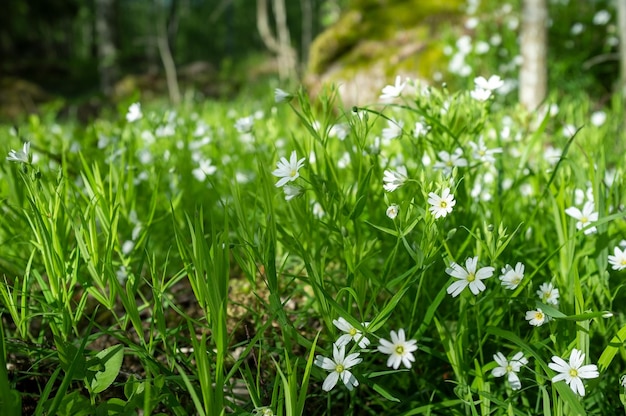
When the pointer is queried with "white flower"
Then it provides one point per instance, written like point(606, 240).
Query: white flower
point(339, 368)
point(339, 131)
point(511, 278)
point(573, 372)
point(394, 179)
point(244, 124)
point(510, 368)
point(393, 210)
point(351, 333)
point(598, 118)
point(287, 171)
point(585, 217)
point(291, 192)
point(447, 161)
point(421, 129)
point(548, 294)
point(481, 153)
point(281, 96)
point(205, 169)
point(393, 130)
point(393, 91)
point(536, 317)
point(134, 113)
point(601, 18)
point(470, 277)
point(493, 83)
point(399, 350)
point(480, 94)
point(618, 260)
point(441, 205)
point(20, 156)
point(263, 411)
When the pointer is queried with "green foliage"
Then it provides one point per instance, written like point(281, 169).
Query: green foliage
point(156, 266)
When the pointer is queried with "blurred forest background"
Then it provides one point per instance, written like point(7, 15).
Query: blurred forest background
point(80, 56)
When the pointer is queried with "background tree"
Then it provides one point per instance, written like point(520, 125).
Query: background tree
point(533, 82)
point(107, 52)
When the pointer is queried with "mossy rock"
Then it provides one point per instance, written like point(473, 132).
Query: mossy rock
point(375, 40)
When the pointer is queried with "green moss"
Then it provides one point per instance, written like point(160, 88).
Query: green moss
point(369, 31)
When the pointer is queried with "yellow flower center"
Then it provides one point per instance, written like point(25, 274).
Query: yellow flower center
point(539, 316)
point(293, 173)
point(573, 372)
point(584, 220)
point(339, 368)
point(353, 332)
point(623, 262)
point(516, 280)
point(509, 368)
point(399, 350)
point(443, 204)
point(471, 277)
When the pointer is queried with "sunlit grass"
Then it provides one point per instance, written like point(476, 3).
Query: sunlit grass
point(166, 263)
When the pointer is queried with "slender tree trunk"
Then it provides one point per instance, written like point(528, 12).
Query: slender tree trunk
point(279, 44)
point(166, 55)
point(306, 7)
point(621, 20)
point(107, 52)
point(534, 47)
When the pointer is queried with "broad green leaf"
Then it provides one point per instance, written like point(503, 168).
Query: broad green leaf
point(107, 367)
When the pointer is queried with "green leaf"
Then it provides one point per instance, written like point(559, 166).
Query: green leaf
point(108, 363)
point(381, 390)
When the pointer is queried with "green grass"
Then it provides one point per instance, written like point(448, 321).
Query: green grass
point(130, 285)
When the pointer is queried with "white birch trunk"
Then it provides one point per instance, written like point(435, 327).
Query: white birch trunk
point(533, 82)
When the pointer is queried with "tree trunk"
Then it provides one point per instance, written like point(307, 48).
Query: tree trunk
point(621, 21)
point(306, 8)
point(107, 66)
point(534, 47)
point(280, 44)
point(166, 55)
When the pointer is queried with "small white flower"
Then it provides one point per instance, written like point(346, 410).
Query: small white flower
point(493, 83)
point(584, 217)
point(287, 170)
point(134, 113)
point(281, 96)
point(511, 278)
point(399, 350)
point(393, 91)
point(392, 211)
point(618, 259)
point(602, 17)
point(20, 156)
point(263, 411)
point(441, 205)
point(536, 317)
point(204, 169)
point(481, 153)
point(244, 124)
point(598, 118)
point(573, 372)
point(394, 179)
point(421, 129)
point(468, 277)
point(480, 94)
point(351, 333)
point(548, 294)
point(291, 191)
point(339, 131)
point(510, 368)
point(447, 161)
point(393, 130)
point(339, 368)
